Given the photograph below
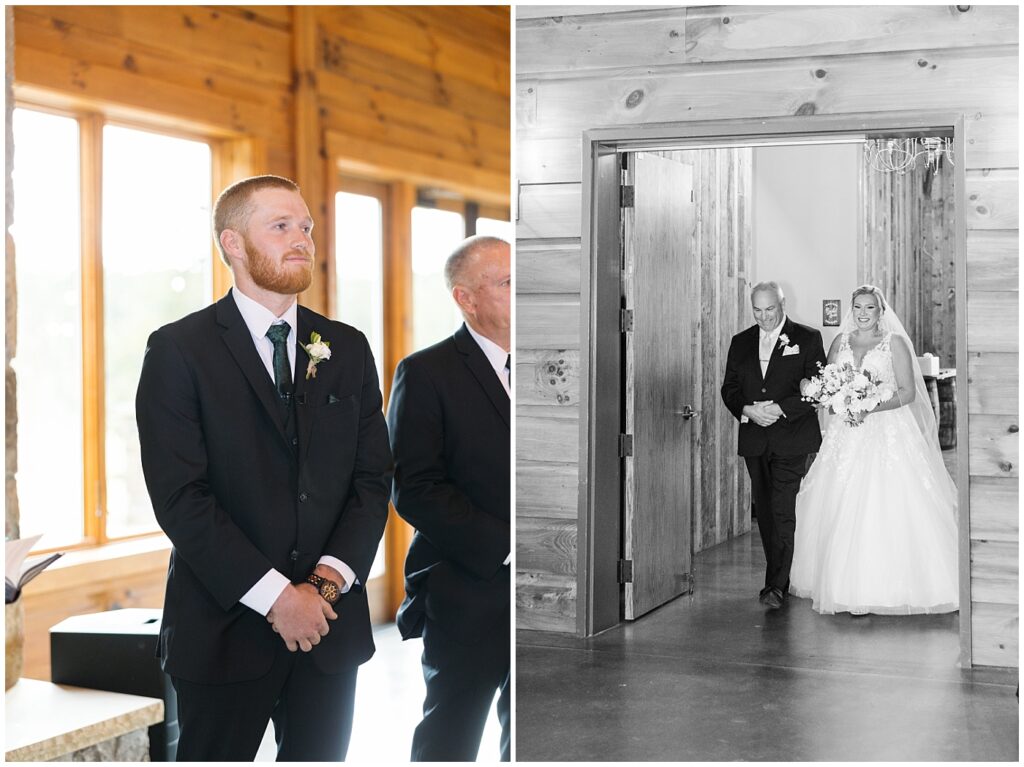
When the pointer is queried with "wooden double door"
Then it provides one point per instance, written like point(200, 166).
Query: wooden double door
point(660, 412)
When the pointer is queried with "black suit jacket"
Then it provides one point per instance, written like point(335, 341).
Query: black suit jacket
point(796, 434)
point(449, 424)
point(239, 493)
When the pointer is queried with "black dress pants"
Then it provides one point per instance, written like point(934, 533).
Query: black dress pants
point(774, 484)
point(461, 682)
point(311, 710)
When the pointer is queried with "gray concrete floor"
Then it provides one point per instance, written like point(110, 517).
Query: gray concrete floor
point(717, 677)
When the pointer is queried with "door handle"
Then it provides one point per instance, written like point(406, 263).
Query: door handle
point(687, 412)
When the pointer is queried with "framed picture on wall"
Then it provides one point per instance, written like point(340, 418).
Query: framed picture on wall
point(830, 312)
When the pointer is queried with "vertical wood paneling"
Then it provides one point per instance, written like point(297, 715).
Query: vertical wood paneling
point(909, 252)
point(721, 244)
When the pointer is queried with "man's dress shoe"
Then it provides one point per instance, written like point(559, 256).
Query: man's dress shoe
point(774, 599)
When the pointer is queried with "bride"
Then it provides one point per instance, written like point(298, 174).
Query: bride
point(876, 514)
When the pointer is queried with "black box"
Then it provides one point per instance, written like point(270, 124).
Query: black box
point(116, 651)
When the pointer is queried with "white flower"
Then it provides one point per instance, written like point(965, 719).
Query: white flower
point(783, 339)
point(318, 351)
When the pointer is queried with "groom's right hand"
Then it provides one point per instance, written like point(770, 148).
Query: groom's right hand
point(759, 414)
point(300, 616)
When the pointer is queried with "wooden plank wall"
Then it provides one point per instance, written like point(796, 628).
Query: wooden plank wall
point(303, 83)
point(595, 67)
point(909, 235)
point(280, 89)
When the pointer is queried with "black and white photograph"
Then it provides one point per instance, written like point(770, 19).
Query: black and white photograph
point(743, 531)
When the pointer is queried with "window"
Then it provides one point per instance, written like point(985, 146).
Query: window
point(48, 361)
point(435, 234)
point(495, 228)
point(440, 221)
point(359, 266)
point(359, 279)
point(99, 278)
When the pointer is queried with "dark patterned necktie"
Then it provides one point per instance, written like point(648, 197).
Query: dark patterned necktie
point(278, 335)
point(508, 364)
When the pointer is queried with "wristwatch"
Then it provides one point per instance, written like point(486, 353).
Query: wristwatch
point(328, 589)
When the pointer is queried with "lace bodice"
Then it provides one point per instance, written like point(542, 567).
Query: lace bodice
point(877, 360)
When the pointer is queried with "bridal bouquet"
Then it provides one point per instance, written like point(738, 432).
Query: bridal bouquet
point(846, 390)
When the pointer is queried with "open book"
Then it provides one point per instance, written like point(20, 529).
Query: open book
point(18, 572)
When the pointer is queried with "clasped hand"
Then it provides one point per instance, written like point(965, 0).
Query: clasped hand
point(300, 616)
point(763, 413)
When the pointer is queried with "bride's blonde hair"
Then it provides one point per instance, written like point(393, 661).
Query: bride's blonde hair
point(870, 290)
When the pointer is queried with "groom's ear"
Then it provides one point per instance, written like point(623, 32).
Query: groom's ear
point(232, 243)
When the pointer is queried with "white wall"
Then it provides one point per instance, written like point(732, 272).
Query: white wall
point(805, 226)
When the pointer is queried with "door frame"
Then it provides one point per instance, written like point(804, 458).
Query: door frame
point(599, 513)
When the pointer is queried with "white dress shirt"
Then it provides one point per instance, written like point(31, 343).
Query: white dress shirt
point(767, 345)
point(258, 319)
point(497, 357)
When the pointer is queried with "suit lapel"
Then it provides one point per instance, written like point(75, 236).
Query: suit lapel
point(753, 351)
point(304, 389)
point(475, 359)
point(239, 342)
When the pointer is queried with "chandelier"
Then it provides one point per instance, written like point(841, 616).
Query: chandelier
point(899, 155)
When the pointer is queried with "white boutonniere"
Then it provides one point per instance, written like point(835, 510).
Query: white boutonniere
point(783, 339)
point(318, 351)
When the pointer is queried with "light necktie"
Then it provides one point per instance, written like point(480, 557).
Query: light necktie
point(278, 335)
point(765, 352)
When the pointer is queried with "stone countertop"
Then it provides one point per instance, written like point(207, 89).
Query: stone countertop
point(44, 721)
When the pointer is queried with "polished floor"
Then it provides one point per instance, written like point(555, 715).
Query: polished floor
point(389, 705)
point(717, 677)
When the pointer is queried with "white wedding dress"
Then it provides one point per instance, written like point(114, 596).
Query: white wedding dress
point(876, 514)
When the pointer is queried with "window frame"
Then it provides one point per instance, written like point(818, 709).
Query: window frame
point(91, 122)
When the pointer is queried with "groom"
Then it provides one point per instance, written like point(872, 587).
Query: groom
point(777, 428)
point(267, 461)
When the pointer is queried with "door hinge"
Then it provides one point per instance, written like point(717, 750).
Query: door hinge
point(628, 196)
point(626, 322)
point(625, 571)
point(691, 195)
point(625, 445)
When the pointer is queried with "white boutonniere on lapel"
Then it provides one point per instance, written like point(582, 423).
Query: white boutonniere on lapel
point(787, 350)
point(318, 351)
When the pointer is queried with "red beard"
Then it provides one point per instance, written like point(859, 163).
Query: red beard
point(275, 276)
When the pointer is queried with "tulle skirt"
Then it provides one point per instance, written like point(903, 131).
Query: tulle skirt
point(876, 522)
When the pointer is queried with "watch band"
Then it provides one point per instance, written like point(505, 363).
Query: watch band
point(328, 589)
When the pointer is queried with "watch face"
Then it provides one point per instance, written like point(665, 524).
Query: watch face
point(329, 591)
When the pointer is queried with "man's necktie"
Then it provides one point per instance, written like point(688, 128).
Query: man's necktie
point(764, 352)
point(278, 335)
point(508, 364)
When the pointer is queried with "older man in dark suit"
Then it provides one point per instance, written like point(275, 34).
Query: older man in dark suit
point(266, 457)
point(778, 429)
point(449, 424)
